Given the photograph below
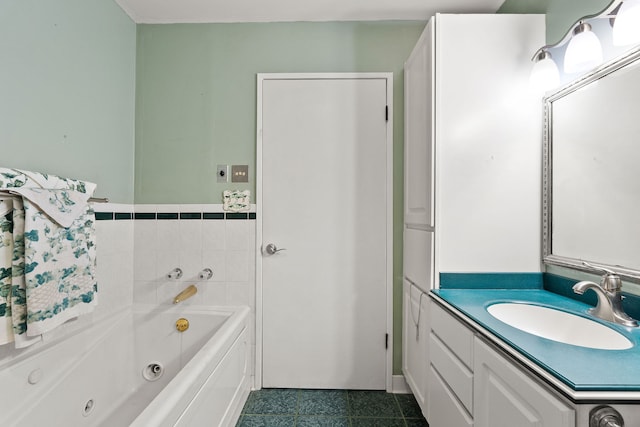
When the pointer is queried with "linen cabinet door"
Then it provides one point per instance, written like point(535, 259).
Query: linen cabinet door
point(418, 125)
point(504, 396)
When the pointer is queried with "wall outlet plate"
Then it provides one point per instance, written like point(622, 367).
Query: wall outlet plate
point(240, 173)
point(222, 173)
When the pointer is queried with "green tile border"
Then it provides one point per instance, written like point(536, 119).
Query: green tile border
point(213, 215)
point(167, 215)
point(110, 216)
point(123, 215)
point(104, 216)
point(145, 215)
point(236, 215)
point(190, 215)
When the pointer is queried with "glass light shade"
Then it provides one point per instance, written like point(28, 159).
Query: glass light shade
point(626, 27)
point(584, 51)
point(544, 75)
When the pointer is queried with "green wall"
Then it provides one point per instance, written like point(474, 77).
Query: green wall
point(67, 91)
point(561, 14)
point(196, 102)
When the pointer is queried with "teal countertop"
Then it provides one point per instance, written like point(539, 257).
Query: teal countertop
point(580, 368)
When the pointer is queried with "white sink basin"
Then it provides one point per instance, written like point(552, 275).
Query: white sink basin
point(559, 326)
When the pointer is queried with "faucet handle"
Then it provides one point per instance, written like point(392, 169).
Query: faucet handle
point(610, 280)
point(599, 268)
point(175, 274)
point(206, 274)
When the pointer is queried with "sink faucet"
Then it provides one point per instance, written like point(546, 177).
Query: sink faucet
point(609, 305)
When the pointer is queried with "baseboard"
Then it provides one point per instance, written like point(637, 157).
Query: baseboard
point(399, 385)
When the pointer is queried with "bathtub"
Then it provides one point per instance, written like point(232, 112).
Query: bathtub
point(136, 369)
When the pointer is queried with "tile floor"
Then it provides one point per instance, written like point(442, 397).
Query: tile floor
point(330, 408)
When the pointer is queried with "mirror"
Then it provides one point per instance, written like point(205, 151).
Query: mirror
point(591, 185)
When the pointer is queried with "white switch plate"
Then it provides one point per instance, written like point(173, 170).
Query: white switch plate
point(222, 173)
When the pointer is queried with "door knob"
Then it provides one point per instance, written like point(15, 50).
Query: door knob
point(272, 249)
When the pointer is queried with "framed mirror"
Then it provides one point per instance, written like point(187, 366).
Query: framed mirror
point(591, 171)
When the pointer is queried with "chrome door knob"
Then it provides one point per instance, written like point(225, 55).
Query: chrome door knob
point(272, 249)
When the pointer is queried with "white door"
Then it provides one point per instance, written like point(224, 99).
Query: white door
point(324, 202)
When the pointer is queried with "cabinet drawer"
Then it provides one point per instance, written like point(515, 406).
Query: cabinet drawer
point(457, 376)
point(446, 410)
point(454, 334)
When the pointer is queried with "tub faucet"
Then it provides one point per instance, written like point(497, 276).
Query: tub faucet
point(609, 306)
point(187, 293)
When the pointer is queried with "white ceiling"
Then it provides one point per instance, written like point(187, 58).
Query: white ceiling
point(174, 11)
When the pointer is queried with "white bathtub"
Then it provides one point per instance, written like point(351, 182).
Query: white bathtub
point(97, 378)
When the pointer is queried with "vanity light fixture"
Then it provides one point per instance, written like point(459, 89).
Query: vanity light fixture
point(584, 50)
point(544, 75)
point(626, 26)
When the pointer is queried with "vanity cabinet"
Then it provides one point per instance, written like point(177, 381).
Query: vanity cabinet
point(473, 384)
point(506, 396)
point(450, 371)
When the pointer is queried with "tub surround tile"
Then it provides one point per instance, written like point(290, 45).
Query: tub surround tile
point(237, 266)
point(118, 216)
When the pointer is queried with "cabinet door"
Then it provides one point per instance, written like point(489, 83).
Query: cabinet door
point(418, 148)
point(505, 397)
point(415, 339)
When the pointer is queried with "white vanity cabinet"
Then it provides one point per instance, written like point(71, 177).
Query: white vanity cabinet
point(473, 384)
point(450, 371)
point(506, 396)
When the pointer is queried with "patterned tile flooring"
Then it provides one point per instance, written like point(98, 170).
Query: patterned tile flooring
point(330, 408)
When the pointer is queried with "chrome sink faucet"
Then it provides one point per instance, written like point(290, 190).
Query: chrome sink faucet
point(609, 305)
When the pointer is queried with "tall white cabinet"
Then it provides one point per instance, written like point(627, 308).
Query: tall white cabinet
point(473, 153)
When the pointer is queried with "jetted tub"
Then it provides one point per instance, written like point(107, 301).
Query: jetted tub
point(136, 369)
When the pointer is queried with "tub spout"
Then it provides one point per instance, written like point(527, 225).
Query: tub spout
point(187, 293)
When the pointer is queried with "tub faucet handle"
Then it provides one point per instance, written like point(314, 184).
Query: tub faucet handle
point(175, 274)
point(206, 274)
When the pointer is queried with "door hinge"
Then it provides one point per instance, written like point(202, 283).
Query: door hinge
point(386, 113)
point(386, 341)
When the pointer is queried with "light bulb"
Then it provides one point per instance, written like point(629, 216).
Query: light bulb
point(584, 51)
point(626, 26)
point(544, 74)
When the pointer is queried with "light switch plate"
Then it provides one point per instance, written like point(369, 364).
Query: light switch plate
point(222, 173)
point(240, 173)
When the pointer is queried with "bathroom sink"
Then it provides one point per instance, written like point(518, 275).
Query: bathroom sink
point(559, 326)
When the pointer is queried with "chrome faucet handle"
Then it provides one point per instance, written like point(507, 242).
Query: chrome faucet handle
point(206, 274)
point(599, 268)
point(175, 274)
point(610, 280)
